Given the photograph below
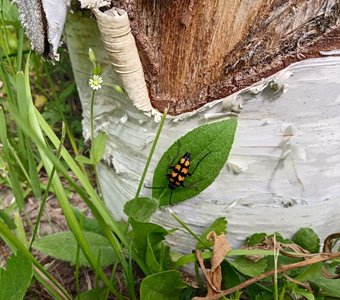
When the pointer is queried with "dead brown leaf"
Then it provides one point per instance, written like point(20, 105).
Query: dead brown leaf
point(214, 277)
point(329, 275)
point(328, 243)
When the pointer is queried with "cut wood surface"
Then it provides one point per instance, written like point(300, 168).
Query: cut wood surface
point(194, 52)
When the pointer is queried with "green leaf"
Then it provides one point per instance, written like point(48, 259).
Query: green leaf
point(10, 13)
point(230, 277)
point(314, 275)
point(84, 160)
point(148, 241)
point(88, 224)
point(307, 239)
point(32, 168)
point(219, 226)
point(99, 144)
point(141, 209)
point(280, 238)
point(66, 92)
point(12, 172)
point(215, 141)
point(7, 219)
point(118, 89)
point(15, 280)
point(162, 286)
point(255, 239)
point(301, 292)
point(64, 246)
point(248, 267)
point(98, 294)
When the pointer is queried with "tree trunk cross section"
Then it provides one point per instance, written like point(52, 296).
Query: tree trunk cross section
point(197, 51)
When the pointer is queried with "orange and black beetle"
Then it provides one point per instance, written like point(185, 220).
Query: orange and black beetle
point(179, 172)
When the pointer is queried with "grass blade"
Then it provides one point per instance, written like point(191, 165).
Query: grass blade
point(13, 179)
point(57, 185)
point(43, 276)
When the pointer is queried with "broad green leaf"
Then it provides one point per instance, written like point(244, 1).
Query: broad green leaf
point(64, 246)
point(307, 239)
point(162, 286)
point(154, 263)
point(15, 280)
point(88, 224)
point(148, 241)
point(248, 267)
point(209, 146)
point(304, 293)
point(98, 294)
point(218, 226)
point(140, 232)
point(255, 239)
point(314, 275)
point(157, 254)
point(141, 209)
point(280, 238)
point(230, 277)
point(99, 144)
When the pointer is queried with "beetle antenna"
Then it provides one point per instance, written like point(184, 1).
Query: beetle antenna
point(176, 155)
point(200, 162)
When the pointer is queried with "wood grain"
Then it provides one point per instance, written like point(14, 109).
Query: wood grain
point(194, 52)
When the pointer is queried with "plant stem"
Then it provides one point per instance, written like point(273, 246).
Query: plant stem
point(92, 121)
point(151, 153)
point(194, 235)
point(276, 256)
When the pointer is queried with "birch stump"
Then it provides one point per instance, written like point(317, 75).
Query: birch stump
point(283, 172)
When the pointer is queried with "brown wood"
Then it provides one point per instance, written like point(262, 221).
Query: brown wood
point(194, 52)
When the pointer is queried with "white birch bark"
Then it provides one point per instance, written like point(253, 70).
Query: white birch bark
point(284, 168)
point(43, 22)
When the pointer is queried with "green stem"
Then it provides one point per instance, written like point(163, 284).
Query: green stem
point(151, 153)
point(92, 121)
point(195, 236)
point(276, 256)
point(92, 156)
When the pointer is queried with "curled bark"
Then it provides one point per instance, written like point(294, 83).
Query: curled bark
point(114, 27)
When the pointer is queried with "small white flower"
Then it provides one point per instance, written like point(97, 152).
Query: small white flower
point(95, 82)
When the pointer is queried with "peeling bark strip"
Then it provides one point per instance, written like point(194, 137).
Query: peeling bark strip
point(33, 19)
point(194, 52)
point(43, 21)
point(120, 44)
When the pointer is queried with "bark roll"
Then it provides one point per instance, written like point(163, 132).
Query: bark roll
point(114, 26)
